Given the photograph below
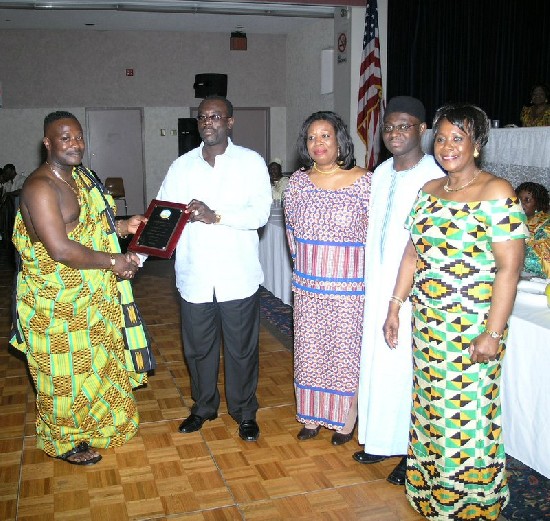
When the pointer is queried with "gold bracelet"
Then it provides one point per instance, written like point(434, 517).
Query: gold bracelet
point(118, 232)
point(494, 334)
point(112, 260)
point(398, 300)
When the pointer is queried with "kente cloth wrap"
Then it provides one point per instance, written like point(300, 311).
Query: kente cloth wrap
point(456, 459)
point(537, 247)
point(69, 324)
point(326, 231)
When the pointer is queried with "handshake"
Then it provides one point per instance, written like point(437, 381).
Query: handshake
point(125, 265)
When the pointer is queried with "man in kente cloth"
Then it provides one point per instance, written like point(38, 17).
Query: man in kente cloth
point(75, 317)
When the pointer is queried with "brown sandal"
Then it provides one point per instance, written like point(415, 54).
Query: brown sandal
point(79, 449)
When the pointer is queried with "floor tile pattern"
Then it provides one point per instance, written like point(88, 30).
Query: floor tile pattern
point(210, 475)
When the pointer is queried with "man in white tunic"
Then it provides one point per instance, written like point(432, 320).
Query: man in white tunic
point(385, 381)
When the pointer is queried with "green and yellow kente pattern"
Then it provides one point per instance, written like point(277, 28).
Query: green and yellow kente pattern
point(70, 328)
point(456, 460)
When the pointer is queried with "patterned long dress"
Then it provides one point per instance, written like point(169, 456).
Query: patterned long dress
point(537, 250)
point(326, 231)
point(456, 460)
point(81, 333)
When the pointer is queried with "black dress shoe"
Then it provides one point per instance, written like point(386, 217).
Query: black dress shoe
point(249, 430)
point(193, 423)
point(366, 458)
point(399, 473)
point(339, 439)
point(307, 434)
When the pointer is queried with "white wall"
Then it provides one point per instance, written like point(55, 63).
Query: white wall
point(43, 71)
point(87, 68)
point(159, 151)
point(342, 66)
point(21, 132)
point(303, 80)
point(277, 135)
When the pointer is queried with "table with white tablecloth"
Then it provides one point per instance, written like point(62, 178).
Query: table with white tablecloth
point(526, 383)
point(275, 256)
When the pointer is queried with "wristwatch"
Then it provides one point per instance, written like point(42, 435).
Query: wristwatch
point(493, 334)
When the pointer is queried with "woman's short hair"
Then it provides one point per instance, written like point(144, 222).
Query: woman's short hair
point(539, 193)
point(345, 159)
point(467, 117)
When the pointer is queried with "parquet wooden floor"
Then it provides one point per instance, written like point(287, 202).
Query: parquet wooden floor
point(210, 475)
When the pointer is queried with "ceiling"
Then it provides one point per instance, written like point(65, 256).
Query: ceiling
point(157, 15)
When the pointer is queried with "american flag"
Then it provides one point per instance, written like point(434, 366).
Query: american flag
point(370, 103)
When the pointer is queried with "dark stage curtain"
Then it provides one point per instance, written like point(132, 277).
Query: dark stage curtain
point(487, 52)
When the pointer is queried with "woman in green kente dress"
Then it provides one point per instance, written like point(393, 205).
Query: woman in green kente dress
point(464, 261)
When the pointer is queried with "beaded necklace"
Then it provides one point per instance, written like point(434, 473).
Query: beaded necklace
point(325, 172)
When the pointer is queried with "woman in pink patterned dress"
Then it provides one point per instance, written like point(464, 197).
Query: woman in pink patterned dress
point(326, 209)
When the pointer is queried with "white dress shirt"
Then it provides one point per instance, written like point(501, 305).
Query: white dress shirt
point(220, 258)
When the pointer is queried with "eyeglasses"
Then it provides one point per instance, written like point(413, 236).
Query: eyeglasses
point(214, 118)
point(404, 127)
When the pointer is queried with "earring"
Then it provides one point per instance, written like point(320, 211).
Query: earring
point(476, 153)
point(339, 160)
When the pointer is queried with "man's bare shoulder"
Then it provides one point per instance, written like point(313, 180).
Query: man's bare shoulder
point(38, 181)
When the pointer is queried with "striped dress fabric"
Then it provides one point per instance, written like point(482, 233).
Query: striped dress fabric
point(326, 231)
point(70, 328)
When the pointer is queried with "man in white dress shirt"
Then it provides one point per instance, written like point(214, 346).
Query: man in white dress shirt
point(385, 380)
point(218, 272)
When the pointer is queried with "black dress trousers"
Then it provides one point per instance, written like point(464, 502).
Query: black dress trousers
point(203, 326)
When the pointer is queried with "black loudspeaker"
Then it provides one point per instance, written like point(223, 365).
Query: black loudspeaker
point(188, 135)
point(210, 85)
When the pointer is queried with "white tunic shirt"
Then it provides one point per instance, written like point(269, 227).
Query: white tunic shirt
point(220, 258)
point(385, 381)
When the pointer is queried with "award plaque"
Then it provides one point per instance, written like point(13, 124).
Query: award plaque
point(160, 234)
